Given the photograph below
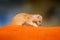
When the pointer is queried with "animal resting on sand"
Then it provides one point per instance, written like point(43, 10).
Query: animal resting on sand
point(27, 19)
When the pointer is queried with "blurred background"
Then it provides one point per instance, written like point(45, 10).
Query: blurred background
point(49, 9)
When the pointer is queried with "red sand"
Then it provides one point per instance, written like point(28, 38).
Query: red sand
point(29, 33)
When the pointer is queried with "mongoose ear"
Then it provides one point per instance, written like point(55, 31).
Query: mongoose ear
point(37, 16)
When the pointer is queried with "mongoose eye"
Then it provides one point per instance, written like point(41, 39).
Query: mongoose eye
point(39, 21)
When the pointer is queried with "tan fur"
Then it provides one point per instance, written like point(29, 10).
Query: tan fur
point(22, 18)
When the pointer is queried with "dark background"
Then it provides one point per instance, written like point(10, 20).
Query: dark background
point(49, 9)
